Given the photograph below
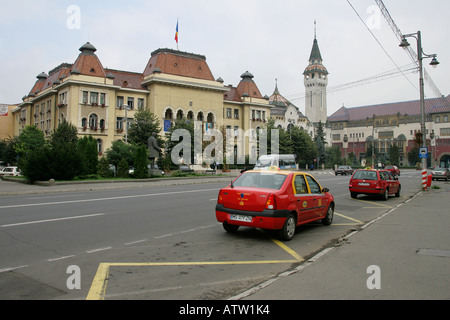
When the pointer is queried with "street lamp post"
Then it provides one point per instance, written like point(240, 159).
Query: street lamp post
point(126, 107)
point(420, 56)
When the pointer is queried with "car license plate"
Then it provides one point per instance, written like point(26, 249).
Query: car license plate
point(364, 184)
point(237, 217)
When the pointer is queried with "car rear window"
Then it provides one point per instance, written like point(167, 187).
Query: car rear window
point(365, 175)
point(260, 180)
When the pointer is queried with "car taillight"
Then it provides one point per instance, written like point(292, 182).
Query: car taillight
point(220, 198)
point(271, 204)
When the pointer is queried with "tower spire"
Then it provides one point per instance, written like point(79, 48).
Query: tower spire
point(315, 29)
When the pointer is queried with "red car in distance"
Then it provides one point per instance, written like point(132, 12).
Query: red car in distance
point(393, 169)
point(275, 200)
point(374, 182)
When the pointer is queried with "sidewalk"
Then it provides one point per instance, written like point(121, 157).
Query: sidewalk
point(405, 252)
point(19, 188)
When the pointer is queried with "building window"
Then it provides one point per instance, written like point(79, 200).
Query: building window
point(93, 121)
point(119, 123)
point(130, 103)
point(228, 113)
point(236, 113)
point(119, 102)
point(99, 146)
point(140, 104)
point(85, 96)
point(445, 118)
point(102, 99)
point(437, 119)
point(94, 98)
point(445, 132)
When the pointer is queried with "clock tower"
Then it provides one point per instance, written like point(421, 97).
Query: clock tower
point(316, 81)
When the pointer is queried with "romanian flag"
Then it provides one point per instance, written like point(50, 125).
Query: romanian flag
point(176, 33)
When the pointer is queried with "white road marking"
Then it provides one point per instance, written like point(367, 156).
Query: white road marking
point(97, 250)
point(52, 220)
point(103, 199)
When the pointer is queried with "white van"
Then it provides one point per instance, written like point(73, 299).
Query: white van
point(277, 161)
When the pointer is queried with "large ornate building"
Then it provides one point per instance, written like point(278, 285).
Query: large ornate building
point(174, 85)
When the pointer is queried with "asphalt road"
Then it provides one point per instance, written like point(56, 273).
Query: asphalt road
point(156, 242)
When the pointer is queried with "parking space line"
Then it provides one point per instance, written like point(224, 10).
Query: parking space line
point(289, 250)
point(98, 286)
point(377, 204)
point(341, 215)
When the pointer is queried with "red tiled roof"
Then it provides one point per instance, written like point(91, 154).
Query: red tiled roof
point(126, 79)
point(434, 105)
point(247, 85)
point(180, 64)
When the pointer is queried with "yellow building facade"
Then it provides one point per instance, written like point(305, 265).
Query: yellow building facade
point(174, 85)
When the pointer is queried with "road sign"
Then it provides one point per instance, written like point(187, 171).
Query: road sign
point(423, 152)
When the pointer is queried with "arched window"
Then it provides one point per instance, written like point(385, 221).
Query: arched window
point(210, 119)
point(190, 116)
point(180, 114)
point(168, 115)
point(84, 122)
point(200, 116)
point(93, 121)
point(99, 146)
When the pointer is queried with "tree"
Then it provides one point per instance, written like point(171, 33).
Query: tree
point(123, 169)
point(103, 168)
point(118, 150)
point(87, 148)
point(140, 162)
point(334, 155)
point(65, 133)
point(394, 155)
point(66, 161)
point(145, 122)
point(303, 146)
point(29, 140)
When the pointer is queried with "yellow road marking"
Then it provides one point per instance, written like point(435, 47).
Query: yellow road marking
point(375, 203)
point(289, 250)
point(341, 215)
point(98, 286)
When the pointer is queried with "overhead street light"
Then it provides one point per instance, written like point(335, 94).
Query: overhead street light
point(434, 62)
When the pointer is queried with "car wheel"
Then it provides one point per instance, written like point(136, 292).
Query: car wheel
point(353, 195)
point(288, 230)
point(329, 217)
point(386, 194)
point(398, 192)
point(231, 228)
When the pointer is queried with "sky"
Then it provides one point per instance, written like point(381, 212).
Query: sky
point(270, 39)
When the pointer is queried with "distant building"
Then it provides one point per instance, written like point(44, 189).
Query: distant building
point(354, 129)
point(6, 121)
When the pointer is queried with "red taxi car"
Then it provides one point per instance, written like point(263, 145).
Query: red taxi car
point(374, 182)
point(393, 169)
point(276, 200)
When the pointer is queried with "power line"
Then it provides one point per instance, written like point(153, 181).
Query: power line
point(379, 77)
point(348, 1)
